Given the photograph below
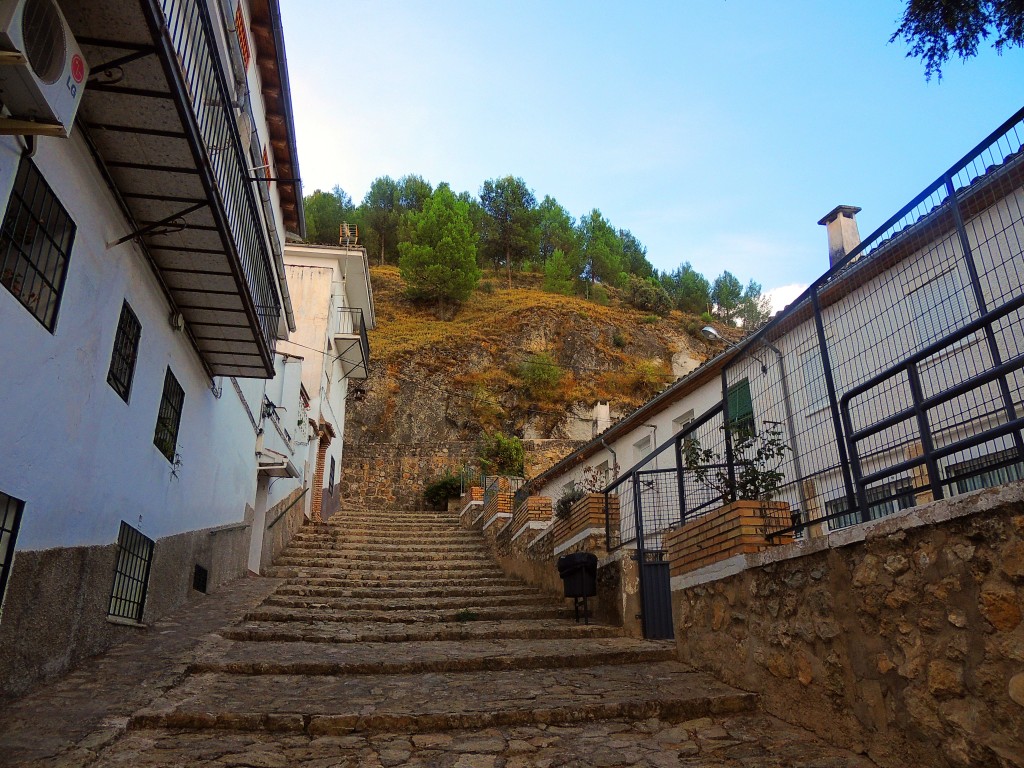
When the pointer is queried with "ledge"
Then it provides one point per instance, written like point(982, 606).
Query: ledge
point(582, 535)
point(122, 622)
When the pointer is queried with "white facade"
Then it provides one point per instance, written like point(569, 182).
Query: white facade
point(168, 223)
point(911, 288)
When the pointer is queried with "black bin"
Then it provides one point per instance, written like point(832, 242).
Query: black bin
point(579, 579)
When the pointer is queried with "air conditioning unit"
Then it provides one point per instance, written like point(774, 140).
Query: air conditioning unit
point(42, 69)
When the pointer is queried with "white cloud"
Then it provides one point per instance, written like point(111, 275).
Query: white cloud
point(784, 294)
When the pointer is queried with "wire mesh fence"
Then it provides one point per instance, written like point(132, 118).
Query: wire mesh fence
point(895, 379)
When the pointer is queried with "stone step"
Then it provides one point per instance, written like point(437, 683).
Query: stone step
point(407, 616)
point(270, 658)
point(394, 514)
point(320, 705)
point(346, 579)
point(359, 555)
point(344, 526)
point(379, 632)
point(388, 546)
point(416, 593)
point(389, 602)
point(479, 567)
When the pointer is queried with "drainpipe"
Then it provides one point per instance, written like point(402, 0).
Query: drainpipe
point(615, 459)
point(790, 428)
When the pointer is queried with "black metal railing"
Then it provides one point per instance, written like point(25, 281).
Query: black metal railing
point(896, 378)
point(350, 320)
point(190, 31)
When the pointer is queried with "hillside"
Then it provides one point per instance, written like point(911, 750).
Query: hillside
point(519, 360)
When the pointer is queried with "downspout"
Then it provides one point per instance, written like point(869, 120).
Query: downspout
point(242, 84)
point(615, 459)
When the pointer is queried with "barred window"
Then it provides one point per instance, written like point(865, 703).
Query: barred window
point(10, 519)
point(134, 555)
point(35, 245)
point(169, 417)
point(126, 350)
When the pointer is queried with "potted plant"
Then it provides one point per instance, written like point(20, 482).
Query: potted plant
point(582, 507)
point(750, 511)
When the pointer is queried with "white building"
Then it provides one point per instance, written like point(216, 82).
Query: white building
point(142, 295)
point(919, 328)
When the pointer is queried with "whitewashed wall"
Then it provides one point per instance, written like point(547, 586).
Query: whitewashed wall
point(81, 458)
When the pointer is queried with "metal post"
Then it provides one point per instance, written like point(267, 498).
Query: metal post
point(979, 298)
point(680, 482)
point(730, 465)
point(638, 521)
point(830, 386)
point(862, 496)
point(926, 434)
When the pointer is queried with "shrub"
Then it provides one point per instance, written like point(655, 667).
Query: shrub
point(648, 295)
point(618, 339)
point(502, 454)
point(707, 317)
point(649, 319)
point(599, 294)
point(564, 504)
point(436, 494)
point(541, 373)
point(487, 286)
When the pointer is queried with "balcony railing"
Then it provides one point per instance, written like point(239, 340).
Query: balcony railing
point(352, 348)
point(190, 31)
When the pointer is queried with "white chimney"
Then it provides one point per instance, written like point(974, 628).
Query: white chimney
point(843, 237)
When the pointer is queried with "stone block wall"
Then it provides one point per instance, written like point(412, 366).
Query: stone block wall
point(904, 639)
point(394, 475)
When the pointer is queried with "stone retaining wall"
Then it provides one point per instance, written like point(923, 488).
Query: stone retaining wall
point(904, 639)
point(394, 475)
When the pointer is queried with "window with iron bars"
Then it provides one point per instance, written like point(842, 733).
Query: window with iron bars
point(168, 419)
point(10, 519)
point(131, 575)
point(35, 245)
point(882, 500)
point(126, 350)
point(986, 471)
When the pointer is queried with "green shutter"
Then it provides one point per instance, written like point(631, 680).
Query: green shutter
point(741, 409)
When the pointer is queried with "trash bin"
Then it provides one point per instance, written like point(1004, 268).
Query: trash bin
point(579, 580)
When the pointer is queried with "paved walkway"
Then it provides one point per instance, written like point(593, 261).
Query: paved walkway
point(393, 640)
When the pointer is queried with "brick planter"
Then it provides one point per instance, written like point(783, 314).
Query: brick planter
point(737, 528)
point(586, 514)
point(533, 512)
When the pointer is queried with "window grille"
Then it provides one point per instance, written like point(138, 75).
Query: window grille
point(939, 307)
point(330, 481)
point(35, 245)
point(882, 500)
point(126, 350)
point(986, 471)
point(169, 417)
point(134, 557)
point(10, 519)
point(243, 36)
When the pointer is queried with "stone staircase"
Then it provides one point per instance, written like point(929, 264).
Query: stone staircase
point(398, 629)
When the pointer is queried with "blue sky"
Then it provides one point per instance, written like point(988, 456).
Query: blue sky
point(717, 131)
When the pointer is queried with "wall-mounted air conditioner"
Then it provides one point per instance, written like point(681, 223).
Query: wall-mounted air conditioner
point(42, 69)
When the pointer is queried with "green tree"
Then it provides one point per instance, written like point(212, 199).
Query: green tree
point(502, 454)
point(438, 262)
point(935, 29)
point(325, 211)
point(754, 309)
point(634, 255)
point(689, 289)
point(413, 192)
point(510, 234)
point(558, 275)
point(726, 295)
point(600, 249)
point(381, 214)
point(556, 229)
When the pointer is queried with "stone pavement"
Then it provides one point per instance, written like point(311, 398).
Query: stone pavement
point(393, 639)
